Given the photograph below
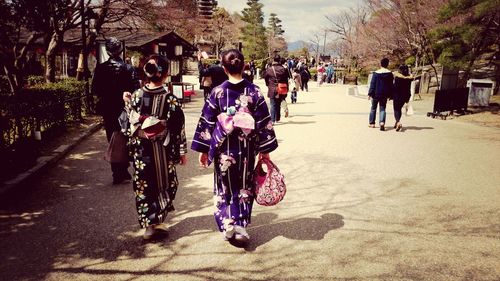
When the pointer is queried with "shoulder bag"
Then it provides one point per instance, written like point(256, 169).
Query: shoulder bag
point(282, 88)
point(117, 151)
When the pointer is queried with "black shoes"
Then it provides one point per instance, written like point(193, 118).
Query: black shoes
point(121, 179)
point(382, 127)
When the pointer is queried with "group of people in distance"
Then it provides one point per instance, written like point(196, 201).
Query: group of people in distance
point(234, 129)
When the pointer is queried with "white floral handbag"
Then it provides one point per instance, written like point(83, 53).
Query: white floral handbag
point(270, 186)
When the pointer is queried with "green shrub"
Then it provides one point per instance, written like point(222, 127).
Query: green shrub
point(45, 105)
point(208, 61)
point(35, 80)
point(410, 60)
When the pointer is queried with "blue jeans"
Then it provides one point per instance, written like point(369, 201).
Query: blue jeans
point(382, 102)
point(275, 107)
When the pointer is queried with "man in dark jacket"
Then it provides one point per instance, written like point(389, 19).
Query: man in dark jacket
point(110, 80)
point(380, 90)
point(215, 71)
point(275, 74)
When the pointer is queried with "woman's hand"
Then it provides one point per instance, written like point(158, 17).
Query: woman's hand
point(264, 156)
point(183, 160)
point(127, 96)
point(203, 159)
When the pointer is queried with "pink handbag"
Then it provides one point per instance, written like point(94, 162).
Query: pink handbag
point(270, 186)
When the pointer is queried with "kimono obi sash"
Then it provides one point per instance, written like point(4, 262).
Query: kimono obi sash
point(240, 119)
point(232, 122)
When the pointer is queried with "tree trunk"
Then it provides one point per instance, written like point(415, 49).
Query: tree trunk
point(14, 86)
point(50, 71)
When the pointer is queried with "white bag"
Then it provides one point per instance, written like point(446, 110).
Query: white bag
point(408, 109)
point(284, 108)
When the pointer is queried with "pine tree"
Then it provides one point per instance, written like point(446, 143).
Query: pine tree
point(276, 42)
point(470, 34)
point(254, 33)
point(275, 26)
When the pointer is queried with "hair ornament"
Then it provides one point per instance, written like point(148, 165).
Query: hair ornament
point(156, 71)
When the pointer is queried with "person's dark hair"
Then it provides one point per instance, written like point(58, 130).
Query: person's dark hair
point(114, 47)
point(277, 59)
point(384, 62)
point(403, 69)
point(156, 68)
point(233, 61)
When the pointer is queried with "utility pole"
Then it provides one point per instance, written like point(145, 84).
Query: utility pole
point(324, 43)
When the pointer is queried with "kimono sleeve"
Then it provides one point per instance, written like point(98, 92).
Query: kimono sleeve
point(206, 125)
point(266, 136)
point(176, 125)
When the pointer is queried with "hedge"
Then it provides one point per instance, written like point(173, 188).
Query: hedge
point(43, 107)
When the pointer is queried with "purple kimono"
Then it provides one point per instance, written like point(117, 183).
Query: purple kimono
point(234, 127)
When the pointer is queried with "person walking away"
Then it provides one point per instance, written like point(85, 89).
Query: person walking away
point(275, 74)
point(380, 90)
point(253, 68)
point(401, 95)
point(329, 73)
point(215, 72)
point(297, 78)
point(247, 74)
point(294, 95)
point(234, 127)
point(158, 143)
point(110, 80)
point(320, 73)
point(206, 83)
point(305, 75)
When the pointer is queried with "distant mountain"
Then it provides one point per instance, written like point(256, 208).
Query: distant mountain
point(297, 45)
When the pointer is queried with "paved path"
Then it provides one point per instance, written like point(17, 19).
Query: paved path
point(422, 204)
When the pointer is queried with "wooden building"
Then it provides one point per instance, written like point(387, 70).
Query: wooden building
point(169, 44)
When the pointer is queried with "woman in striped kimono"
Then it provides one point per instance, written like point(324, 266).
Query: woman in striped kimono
point(235, 127)
point(158, 143)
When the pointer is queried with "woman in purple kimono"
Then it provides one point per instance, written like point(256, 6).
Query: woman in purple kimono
point(235, 127)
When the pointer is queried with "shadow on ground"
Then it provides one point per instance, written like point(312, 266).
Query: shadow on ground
point(73, 212)
point(297, 229)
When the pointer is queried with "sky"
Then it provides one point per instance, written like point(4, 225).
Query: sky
point(300, 18)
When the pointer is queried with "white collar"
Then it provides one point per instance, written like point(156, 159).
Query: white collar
point(235, 82)
point(382, 70)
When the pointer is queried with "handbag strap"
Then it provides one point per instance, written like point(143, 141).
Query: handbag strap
point(275, 76)
point(270, 165)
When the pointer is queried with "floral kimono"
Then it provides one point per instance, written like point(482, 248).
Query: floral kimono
point(155, 179)
point(234, 127)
